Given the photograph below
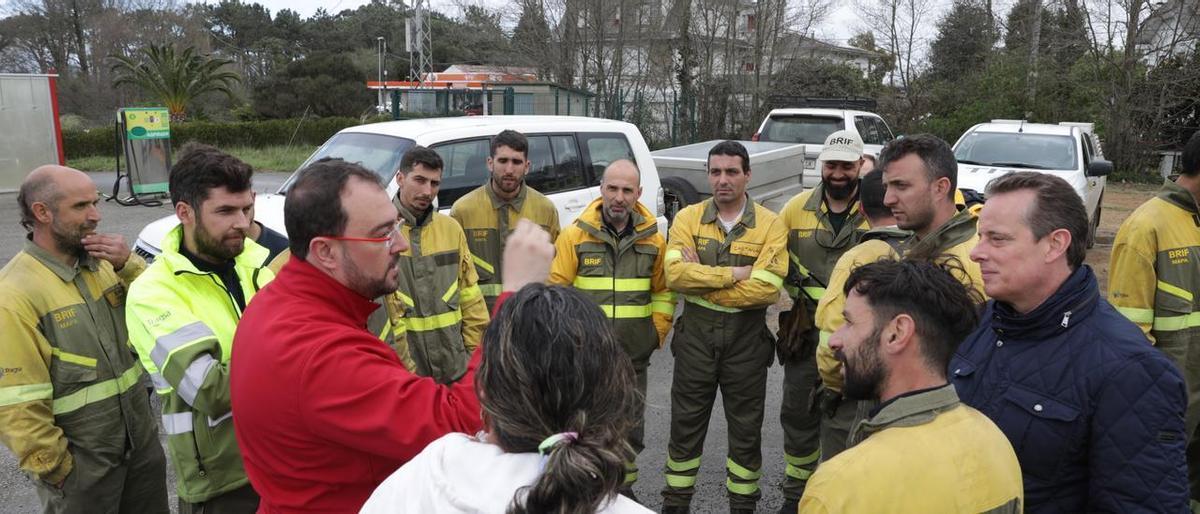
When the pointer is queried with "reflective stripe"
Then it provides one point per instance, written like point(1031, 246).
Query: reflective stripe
point(165, 345)
point(610, 284)
point(805, 460)
point(798, 473)
point(214, 422)
point(480, 263)
point(667, 308)
point(387, 327)
point(680, 481)
point(814, 292)
point(1136, 315)
point(626, 311)
point(470, 293)
point(799, 267)
point(450, 292)
point(1170, 323)
point(741, 472)
point(1174, 290)
point(98, 391)
point(435, 322)
point(631, 477)
point(406, 299)
point(177, 423)
point(768, 277)
point(160, 384)
point(686, 465)
point(491, 289)
point(193, 377)
point(13, 395)
point(672, 256)
point(742, 489)
point(73, 358)
point(709, 305)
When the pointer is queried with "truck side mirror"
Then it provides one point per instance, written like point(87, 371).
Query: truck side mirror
point(1099, 168)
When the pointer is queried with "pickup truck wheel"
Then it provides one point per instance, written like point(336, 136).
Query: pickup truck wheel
point(677, 194)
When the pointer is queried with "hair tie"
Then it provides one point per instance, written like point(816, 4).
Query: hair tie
point(553, 441)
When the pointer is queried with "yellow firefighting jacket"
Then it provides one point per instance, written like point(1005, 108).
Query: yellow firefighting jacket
point(444, 313)
point(1154, 277)
point(813, 247)
point(67, 373)
point(487, 221)
point(624, 275)
point(759, 239)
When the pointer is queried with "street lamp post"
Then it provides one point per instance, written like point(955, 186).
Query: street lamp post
point(380, 48)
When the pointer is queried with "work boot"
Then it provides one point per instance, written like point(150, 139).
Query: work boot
point(789, 506)
point(676, 509)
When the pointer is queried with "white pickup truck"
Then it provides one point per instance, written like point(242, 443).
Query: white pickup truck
point(567, 156)
point(776, 173)
point(1068, 150)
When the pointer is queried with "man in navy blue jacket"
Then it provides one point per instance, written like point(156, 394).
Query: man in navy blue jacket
point(1094, 412)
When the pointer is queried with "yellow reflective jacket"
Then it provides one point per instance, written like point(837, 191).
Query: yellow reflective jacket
point(813, 247)
point(1154, 275)
point(487, 221)
point(181, 323)
point(623, 274)
point(925, 452)
point(67, 374)
point(759, 240)
point(441, 310)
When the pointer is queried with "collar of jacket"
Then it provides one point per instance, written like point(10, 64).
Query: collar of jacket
point(516, 202)
point(886, 233)
point(1074, 300)
point(319, 288)
point(410, 219)
point(66, 273)
point(909, 410)
point(957, 229)
point(591, 220)
point(252, 256)
point(1177, 195)
point(710, 213)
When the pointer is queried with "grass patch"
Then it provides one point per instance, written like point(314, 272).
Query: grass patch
point(271, 158)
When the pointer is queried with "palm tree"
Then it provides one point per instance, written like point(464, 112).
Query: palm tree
point(175, 78)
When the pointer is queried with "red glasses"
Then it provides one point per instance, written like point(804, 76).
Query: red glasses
point(391, 236)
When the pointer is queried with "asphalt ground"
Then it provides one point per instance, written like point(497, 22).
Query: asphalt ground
point(17, 495)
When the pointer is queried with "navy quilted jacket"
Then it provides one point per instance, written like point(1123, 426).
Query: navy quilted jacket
point(1094, 412)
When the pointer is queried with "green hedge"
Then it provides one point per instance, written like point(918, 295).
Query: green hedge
point(313, 131)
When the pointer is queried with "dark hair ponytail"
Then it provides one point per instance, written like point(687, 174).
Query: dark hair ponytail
point(551, 365)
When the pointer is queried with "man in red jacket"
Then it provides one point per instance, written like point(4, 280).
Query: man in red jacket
point(324, 410)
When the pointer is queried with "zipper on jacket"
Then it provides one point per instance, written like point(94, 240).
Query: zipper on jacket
point(1066, 319)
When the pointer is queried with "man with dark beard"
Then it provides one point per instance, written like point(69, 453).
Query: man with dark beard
point(822, 223)
point(71, 409)
point(921, 449)
point(182, 315)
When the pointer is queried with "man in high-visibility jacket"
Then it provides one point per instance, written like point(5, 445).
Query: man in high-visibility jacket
point(73, 407)
point(882, 241)
point(614, 254)
point(1154, 280)
point(440, 306)
point(183, 312)
point(490, 212)
point(728, 257)
point(822, 223)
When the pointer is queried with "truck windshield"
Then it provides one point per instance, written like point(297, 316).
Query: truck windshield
point(1016, 150)
point(790, 128)
point(378, 153)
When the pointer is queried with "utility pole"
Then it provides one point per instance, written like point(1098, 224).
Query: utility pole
point(380, 49)
point(418, 42)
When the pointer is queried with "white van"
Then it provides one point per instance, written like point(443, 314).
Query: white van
point(567, 156)
point(811, 126)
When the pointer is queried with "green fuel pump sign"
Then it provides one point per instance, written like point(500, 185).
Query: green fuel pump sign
point(147, 123)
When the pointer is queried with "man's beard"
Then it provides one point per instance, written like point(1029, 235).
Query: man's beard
point(617, 219)
point(71, 241)
point(214, 248)
point(499, 182)
point(864, 379)
point(368, 286)
point(840, 192)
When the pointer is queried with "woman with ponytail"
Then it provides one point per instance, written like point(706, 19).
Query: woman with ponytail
point(558, 396)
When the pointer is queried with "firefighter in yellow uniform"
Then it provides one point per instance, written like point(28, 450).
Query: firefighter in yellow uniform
point(490, 213)
point(1154, 280)
point(882, 241)
point(727, 256)
point(441, 309)
point(822, 223)
point(73, 406)
point(614, 253)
